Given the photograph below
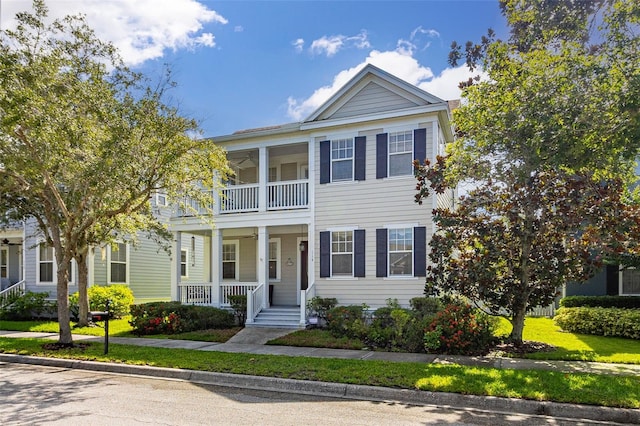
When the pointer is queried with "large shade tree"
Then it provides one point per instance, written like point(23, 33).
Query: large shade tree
point(547, 138)
point(85, 142)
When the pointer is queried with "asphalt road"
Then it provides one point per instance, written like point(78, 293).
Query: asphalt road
point(39, 395)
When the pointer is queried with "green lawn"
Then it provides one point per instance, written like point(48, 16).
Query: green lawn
point(606, 390)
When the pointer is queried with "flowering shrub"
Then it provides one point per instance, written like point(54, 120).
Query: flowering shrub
point(459, 329)
point(173, 317)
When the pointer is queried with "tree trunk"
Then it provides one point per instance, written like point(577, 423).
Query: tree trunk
point(517, 324)
point(83, 298)
point(63, 304)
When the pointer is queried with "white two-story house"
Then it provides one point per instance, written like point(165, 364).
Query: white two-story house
point(323, 207)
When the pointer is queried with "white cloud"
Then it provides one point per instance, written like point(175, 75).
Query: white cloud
point(140, 29)
point(298, 44)
point(400, 63)
point(330, 45)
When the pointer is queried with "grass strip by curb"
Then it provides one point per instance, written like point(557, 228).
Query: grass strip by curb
point(579, 388)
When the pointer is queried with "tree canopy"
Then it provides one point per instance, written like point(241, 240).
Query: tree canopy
point(85, 142)
point(548, 140)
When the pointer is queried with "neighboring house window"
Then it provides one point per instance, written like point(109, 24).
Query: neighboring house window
point(230, 261)
point(630, 282)
point(343, 159)
point(274, 259)
point(401, 252)
point(4, 263)
point(47, 270)
point(118, 264)
point(161, 199)
point(45, 263)
point(401, 153)
point(184, 264)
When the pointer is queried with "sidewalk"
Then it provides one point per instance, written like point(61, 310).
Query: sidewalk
point(252, 340)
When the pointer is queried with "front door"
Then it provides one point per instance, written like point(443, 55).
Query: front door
point(304, 259)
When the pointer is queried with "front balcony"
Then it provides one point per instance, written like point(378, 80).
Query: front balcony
point(282, 185)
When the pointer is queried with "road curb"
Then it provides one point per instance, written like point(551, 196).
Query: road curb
point(338, 390)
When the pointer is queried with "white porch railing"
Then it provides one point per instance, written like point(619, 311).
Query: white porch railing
point(543, 311)
point(239, 198)
point(234, 289)
point(196, 293)
point(255, 301)
point(305, 296)
point(18, 289)
point(288, 194)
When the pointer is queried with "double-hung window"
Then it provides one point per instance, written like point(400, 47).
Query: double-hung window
point(401, 252)
point(230, 261)
point(401, 153)
point(341, 253)
point(184, 263)
point(47, 268)
point(118, 263)
point(4, 262)
point(274, 262)
point(342, 159)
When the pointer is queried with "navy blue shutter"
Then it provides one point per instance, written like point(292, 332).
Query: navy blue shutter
point(325, 254)
point(325, 161)
point(420, 145)
point(358, 253)
point(381, 155)
point(360, 154)
point(381, 252)
point(419, 251)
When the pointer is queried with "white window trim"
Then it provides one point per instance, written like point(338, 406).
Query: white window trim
point(127, 263)
point(72, 271)
point(161, 195)
point(353, 158)
point(6, 265)
point(237, 261)
point(389, 154)
point(353, 255)
point(620, 282)
point(186, 263)
point(278, 260)
point(413, 247)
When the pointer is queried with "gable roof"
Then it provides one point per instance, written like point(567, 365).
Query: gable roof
point(372, 90)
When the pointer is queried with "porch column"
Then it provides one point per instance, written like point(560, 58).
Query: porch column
point(175, 264)
point(263, 262)
point(216, 264)
point(263, 176)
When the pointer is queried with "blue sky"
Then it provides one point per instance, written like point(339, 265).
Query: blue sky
point(245, 64)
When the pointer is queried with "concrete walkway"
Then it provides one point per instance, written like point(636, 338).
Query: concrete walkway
point(252, 340)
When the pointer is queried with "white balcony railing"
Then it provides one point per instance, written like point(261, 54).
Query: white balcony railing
point(196, 293)
point(239, 198)
point(288, 194)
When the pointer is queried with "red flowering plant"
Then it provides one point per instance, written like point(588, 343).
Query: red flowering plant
point(460, 329)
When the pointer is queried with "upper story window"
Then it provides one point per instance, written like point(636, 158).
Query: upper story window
point(400, 153)
point(118, 269)
point(184, 263)
point(401, 252)
point(342, 159)
point(161, 199)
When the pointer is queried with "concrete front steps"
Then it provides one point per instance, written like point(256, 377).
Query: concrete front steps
point(278, 317)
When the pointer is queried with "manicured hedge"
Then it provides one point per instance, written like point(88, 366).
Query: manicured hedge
point(614, 322)
point(174, 317)
point(632, 302)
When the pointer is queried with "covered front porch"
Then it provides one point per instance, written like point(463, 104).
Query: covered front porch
point(269, 264)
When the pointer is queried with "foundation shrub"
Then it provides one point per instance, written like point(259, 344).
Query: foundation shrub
point(27, 306)
point(174, 317)
point(613, 322)
point(631, 302)
point(350, 321)
point(459, 329)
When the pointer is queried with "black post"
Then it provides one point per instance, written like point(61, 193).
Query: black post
point(106, 328)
